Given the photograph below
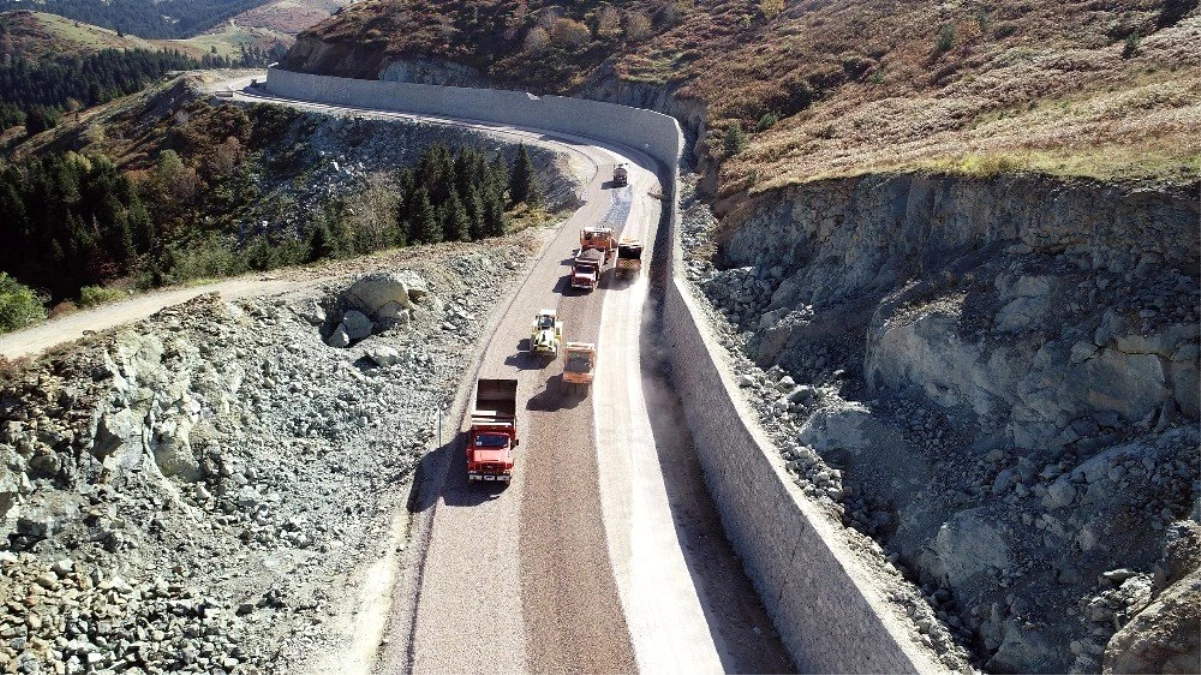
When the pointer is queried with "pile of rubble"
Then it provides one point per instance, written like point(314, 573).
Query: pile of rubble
point(197, 491)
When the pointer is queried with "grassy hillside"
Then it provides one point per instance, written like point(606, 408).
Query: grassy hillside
point(839, 87)
point(146, 18)
point(37, 35)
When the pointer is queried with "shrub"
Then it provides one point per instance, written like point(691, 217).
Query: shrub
point(608, 21)
point(205, 259)
point(767, 121)
point(536, 40)
point(735, 141)
point(40, 119)
point(638, 26)
point(946, 39)
point(570, 34)
point(1132, 45)
point(90, 296)
point(983, 20)
point(19, 305)
point(1004, 30)
point(771, 8)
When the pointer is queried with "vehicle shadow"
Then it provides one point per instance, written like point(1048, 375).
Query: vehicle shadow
point(563, 286)
point(523, 359)
point(430, 470)
point(553, 397)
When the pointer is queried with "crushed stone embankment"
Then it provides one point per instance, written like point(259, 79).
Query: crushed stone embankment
point(198, 491)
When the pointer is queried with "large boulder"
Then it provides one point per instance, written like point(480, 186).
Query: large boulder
point(10, 489)
point(339, 338)
point(373, 291)
point(968, 549)
point(383, 356)
point(119, 442)
point(1163, 638)
point(172, 450)
point(357, 325)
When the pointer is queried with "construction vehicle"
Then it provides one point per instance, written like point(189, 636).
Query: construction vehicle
point(546, 334)
point(586, 269)
point(629, 258)
point(600, 238)
point(493, 435)
point(621, 175)
point(579, 360)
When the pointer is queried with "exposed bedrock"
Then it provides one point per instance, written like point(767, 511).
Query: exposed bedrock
point(1005, 371)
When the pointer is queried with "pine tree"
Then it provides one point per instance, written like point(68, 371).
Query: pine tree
point(144, 235)
point(436, 172)
point(455, 223)
point(735, 140)
point(424, 226)
point(475, 212)
point(494, 216)
point(523, 184)
point(321, 243)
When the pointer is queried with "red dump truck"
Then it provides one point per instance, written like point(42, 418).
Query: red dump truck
point(493, 435)
point(586, 269)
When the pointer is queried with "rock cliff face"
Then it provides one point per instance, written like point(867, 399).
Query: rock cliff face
point(1002, 375)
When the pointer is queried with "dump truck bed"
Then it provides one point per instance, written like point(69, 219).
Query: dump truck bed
point(495, 400)
point(591, 256)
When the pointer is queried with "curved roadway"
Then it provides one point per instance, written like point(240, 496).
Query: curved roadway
point(605, 554)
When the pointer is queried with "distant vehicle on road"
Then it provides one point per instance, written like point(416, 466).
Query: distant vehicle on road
point(621, 175)
point(493, 435)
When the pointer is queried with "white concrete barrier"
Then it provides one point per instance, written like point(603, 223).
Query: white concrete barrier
point(831, 618)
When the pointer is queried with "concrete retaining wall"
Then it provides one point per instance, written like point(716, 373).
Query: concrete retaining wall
point(652, 133)
point(830, 619)
point(826, 614)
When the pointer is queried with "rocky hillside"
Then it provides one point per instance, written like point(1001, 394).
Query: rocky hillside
point(201, 491)
point(831, 88)
point(997, 379)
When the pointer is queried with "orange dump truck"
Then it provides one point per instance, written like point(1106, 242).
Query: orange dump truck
point(493, 435)
point(578, 364)
point(600, 238)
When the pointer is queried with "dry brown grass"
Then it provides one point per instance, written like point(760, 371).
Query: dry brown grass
point(858, 85)
point(1084, 113)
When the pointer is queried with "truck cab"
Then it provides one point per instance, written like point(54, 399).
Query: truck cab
point(490, 453)
point(600, 238)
